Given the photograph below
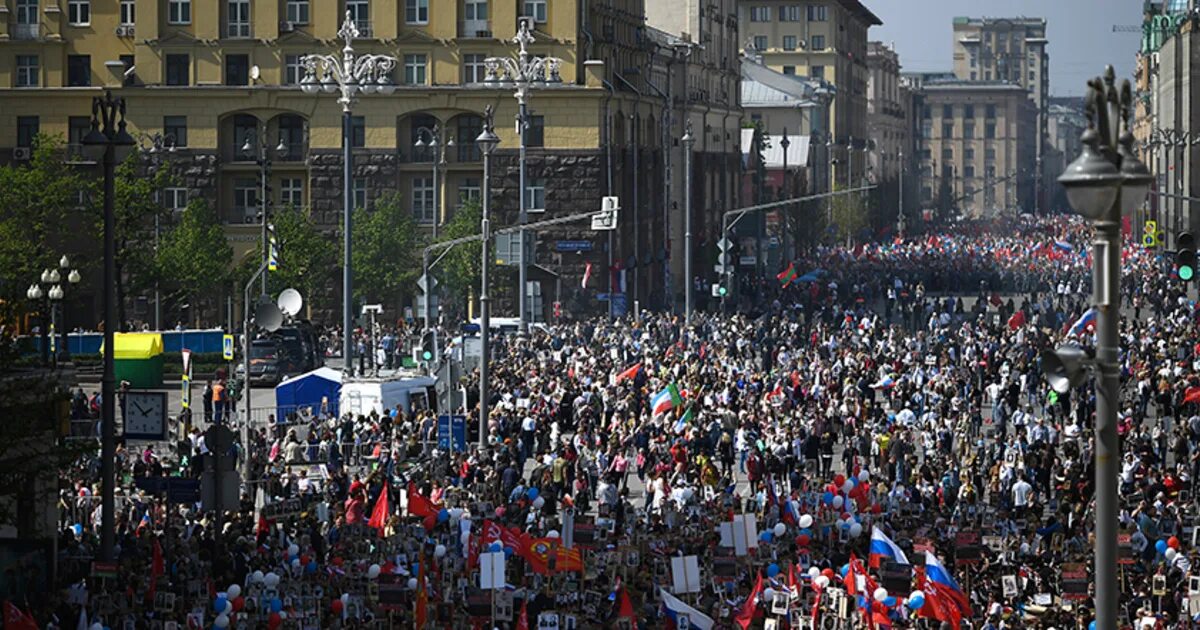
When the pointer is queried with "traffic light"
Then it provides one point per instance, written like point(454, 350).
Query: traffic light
point(429, 346)
point(719, 290)
point(272, 249)
point(1185, 256)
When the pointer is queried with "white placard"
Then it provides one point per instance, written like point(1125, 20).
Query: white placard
point(491, 570)
point(685, 574)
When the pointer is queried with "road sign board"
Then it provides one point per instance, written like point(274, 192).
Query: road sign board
point(452, 433)
point(605, 220)
point(227, 347)
point(573, 246)
point(185, 391)
point(724, 244)
point(421, 283)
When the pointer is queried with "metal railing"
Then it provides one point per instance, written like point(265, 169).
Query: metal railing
point(27, 31)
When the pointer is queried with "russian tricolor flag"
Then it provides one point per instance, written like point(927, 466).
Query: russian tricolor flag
point(1085, 321)
point(935, 572)
point(883, 547)
point(676, 610)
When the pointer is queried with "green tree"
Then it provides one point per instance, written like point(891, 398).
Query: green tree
point(136, 206)
point(194, 256)
point(386, 252)
point(849, 215)
point(308, 258)
point(460, 269)
point(40, 204)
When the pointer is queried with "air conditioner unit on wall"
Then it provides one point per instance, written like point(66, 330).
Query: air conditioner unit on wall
point(22, 153)
point(287, 27)
point(126, 30)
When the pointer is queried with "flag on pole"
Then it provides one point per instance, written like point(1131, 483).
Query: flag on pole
point(379, 515)
point(587, 275)
point(1084, 323)
point(786, 276)
point(632, 372)
point(745, 616)
point(666, 400)
point(689, 414)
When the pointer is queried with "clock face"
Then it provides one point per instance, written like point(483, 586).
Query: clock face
point(145, 414)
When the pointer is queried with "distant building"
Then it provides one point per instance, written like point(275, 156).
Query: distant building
point(1065, 125)
point(977, 148)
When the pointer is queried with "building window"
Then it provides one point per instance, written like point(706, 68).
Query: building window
point(968, 171)
point(291, 135)
point(422, 199)
point(789, 70)
point(475, 10)
point(297, 11)
point(358, 132)
point(360, 192)
point(818, 13)
point(179, 11)
point(237, 69)
point(818, 72)
point(27, 130)
point(130, 77)
point(293, 70)
point(468, 191)
point(968, 111)
point(947, 129)
point(790, 13)
point(175, 130)
point(79, 12)
point(535, 9)
point(245, 198)
point(989, 154)
point(947, 154)
point(469, 128)
point(947, 111)
point(989, 131)
point(175, 198)
point(416, 11)
point(128, 12)
point(77, 128)
point(291, 191)
point(178, 69)
point(759, 42)
point(927, 194)
point(987, 76)
point(968, 153)
point(79, 70)
point(927, 128)
point(27, 12)
point(990, 111)
point(818, 42)
point(473, 68)
point(1032, 75)
point(237, 18)
point(28, 71)
point(973, 75)
point(789, 42)
point(535, 195)
point(969, 129)
point(535, 135)
point(760, 14)
point(414, 69)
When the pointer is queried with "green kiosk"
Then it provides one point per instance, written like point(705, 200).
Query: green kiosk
point(138, 359)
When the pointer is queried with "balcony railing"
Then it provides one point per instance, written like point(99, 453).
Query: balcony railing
point(27, 31)
point(364, 28)
point(470, 29)
point(238, 30)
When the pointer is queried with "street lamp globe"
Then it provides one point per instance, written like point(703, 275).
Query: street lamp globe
point(56, 293)
point(487, 141)
point(1091, 181)
point(420, 143)
point(52, 278)
point(123, 143)
point(309, 84)
point(1136, 178)
point(64, 262)
point(246, 146)
point(74, 276)
point(94, 142)
point(35, 292)
point(46, 276)
point(385, 86)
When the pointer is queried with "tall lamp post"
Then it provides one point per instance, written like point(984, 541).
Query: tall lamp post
point(688, 142)
point(154, 146)
point(53, 294)
point(522, 74)
point(257, 147)
point(487, 142)
point(351, 76)
point(438, 145)
point(1106, 182)
point(108, 143)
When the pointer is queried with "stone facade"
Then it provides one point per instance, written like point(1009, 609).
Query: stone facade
point(325, 180)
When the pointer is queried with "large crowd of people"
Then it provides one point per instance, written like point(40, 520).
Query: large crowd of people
point(872, 443)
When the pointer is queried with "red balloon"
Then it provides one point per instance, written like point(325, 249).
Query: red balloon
point(839, 479)
point(832, 488)
point(828, 573)
point(845, 516)
point(238, 602)
point(336, 606)
point(304, 560)
point(1173, 543)
point(802, 540)
point(274, 620)
point(877, 508)
point(337, 562)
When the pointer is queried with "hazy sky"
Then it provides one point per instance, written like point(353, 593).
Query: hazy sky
point(1080, 32)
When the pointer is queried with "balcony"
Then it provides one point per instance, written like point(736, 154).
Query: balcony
point(27, 31)
point(238, 30)
point(474, 29)
point(364, 29)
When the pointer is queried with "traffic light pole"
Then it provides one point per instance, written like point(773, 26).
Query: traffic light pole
point(730, 218)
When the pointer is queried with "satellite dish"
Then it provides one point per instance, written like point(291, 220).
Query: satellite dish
point(290, 302)
point(268, 316)
point(255, 72)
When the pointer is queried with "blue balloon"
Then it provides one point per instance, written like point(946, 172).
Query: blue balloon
point(276, 604)
point(766, 536)
point(532, 493)
point(508, 552)
point(805, 532)
point(443, 515)
point(312, 566)
point(828, 498)
point(496, 546)
point(1161, 546)
point(889, 601)
point(219, 604)
point(915, 603)
point(844, 570)
point(1092, 625)
point(772, 570)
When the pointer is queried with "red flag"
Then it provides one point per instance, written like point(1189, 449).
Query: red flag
point(746, 615)
point(1017, 320)
point(1192, 395)
point(419, 505)
point(794, 581)
point(587, 275)
point(629, 373)
point(14, 619)
point(380, 514)
point(538, 552)
point(816, 609)
point(625, 609)
point(523, 620)
point(157, 569)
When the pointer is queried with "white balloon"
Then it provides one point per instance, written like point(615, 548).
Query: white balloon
point(345, 598)
point(1170, 554)
point(97, 626)
point(373, 571)
point(881, 594)
point(806, 521)
point(222, 621)
point(412, 584)
point(439, 551)
point(539, 503)
point(768, 594)
point(864, 475)
point(228, 608)
point(916, 594)
point(837, 502)
point(271, 579)
point(780, 529)
point(282, 614)
point(552, 533)
point(821, 581)
point(293, 549)
point(233, 591)
point(257, 577)
point(295, 563)
point(813, 572)
point(856, 530)
point(847, 486)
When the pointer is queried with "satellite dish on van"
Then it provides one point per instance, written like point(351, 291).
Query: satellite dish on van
point(290, 302)
point(255, 72)
point(268, 316)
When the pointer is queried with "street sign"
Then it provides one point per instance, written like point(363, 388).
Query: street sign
point(452, 433)
point(422, 280)
point(227, 347)
point(573, 246)
point(604, 221)
point(724, 244)
point(185, 392)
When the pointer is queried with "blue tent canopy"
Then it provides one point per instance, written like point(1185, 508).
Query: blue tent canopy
point(307, 391)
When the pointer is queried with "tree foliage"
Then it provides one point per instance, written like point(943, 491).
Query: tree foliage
point(40, 200)
point(309, 259)
point(136, 206)
point(386, 254)
point(460, 269)
point(849, 215)
point(194, 256)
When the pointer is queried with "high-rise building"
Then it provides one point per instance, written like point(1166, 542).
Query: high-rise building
point(211, 75)
point(886, 115)
point(823, 40)
point(1013, 50)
